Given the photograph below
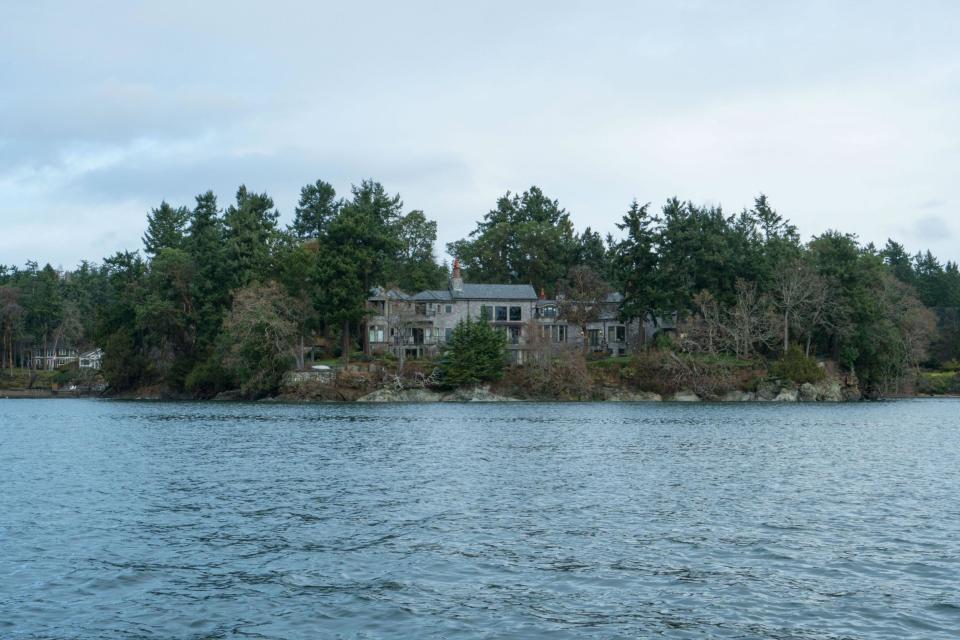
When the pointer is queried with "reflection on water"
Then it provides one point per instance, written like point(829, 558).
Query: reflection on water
point(143, 520)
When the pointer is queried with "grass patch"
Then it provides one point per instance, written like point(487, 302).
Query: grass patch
point(609, 363)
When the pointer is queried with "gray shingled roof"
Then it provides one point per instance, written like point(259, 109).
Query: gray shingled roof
point(432, 296)
point(480, 292)
point(496, 292)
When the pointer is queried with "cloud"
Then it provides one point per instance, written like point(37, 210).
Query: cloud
point(932, 229)
point(845, 118)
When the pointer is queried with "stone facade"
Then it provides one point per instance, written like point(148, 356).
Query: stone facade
point(420, 324)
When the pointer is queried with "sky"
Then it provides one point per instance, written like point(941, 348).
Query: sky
point(846, 114)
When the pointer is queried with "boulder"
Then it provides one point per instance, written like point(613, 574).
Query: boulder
point(786, 395)
point(401, 395)
point(735, 395)
point(829, 391)
point(808, 393)
point(685, 396)
point(475, 394)
point(767, 391)
point(852, 394)
point(633, 396)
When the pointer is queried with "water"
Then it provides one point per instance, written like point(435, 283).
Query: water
point(141, 520)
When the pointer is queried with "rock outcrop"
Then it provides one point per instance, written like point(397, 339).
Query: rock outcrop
point(735, 395)
point(475, 394)
point(623, 395)
point(685, 396)
point(401, 395)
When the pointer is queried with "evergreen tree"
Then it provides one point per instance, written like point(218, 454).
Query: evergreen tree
point(360, 243)
point(317, 207)
point(635, 264)
point(166, 228)
point(415, 268)
point(251, 232)
point(473, 355)
point(895, 256)
point(527, 238)
point(205, 244)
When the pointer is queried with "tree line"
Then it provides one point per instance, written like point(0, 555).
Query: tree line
point(224, 297)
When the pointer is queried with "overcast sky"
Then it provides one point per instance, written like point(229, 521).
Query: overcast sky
point(846, 114)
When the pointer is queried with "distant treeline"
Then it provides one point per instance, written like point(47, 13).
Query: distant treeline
point(222, 298)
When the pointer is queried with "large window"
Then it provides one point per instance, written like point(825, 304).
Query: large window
point(558, 332)
point(513, 335)
point(376, 334)
point(448, 308)
point(616, 334)
point(501, 315)
point(593, 336)
point(516, 314)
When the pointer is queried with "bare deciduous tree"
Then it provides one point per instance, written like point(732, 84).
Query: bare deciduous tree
point(581, 299)
point(797, 289)
point(749, 322)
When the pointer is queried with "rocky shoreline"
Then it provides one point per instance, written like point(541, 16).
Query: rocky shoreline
point(827, 391)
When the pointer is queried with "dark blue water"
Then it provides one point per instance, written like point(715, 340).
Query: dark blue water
point(130, 520)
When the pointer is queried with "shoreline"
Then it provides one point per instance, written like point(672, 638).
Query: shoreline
point(40, 394)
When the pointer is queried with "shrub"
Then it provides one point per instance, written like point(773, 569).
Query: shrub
point(798, 367)
point(666, 372)
point(939, 383)
point(557, 373)
point(474, 354)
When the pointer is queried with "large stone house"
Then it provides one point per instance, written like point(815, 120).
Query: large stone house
point(420, 324)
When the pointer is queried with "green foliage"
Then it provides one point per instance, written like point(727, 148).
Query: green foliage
point(939, 383)
point(474, 354)
point(796, 366)
point(317, 207)
point(166, 228)
point(251, 231)
point(414, 268)
point(123, 365)
point(260, 338)
point(526, 239)
point(161, 316)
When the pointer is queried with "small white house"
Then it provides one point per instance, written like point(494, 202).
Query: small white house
point(91, 359)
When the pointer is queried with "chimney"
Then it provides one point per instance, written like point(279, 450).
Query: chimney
point(543, 294)
point(456, 280)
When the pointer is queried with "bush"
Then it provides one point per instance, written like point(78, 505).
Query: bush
point(666, 372)
point(474, 354)
point(939, 383)
point(558, 374)
point(798, 367)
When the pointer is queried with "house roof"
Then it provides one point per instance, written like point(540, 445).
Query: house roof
point(496, 292)
point(379, 293)
point(479, 292)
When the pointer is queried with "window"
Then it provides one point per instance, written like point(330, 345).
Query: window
point(593, 336)
point(513, 335)
point(547, 312)
point(447, 334)
point(376, 334)
point(420, 309)
point(485, 313)
point(616, 334)
point(501, 315)
point(558, 332)
point(448, 308)
point(515, 314)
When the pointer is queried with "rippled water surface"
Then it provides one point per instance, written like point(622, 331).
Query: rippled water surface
point(142, 520)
